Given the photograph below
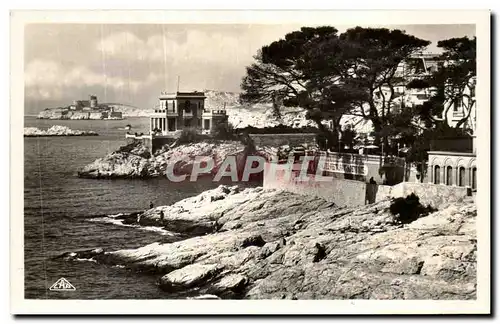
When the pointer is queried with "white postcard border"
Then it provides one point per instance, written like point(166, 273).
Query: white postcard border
point(19, 305)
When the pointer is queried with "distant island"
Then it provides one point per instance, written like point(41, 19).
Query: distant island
point(56, 130)
point(82, 109)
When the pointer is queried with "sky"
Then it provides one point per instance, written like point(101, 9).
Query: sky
point(132, 64)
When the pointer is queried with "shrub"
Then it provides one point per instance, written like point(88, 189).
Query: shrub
point(278, 129)
point(224, 131)
point(127, 148)
point(248, 142)
point(189, 135)
point(409, 209)
point(136, 147)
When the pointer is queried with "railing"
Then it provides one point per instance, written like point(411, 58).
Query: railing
point(138, 136)
point(215, 111)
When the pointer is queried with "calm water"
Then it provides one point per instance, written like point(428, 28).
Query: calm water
point(60, 210)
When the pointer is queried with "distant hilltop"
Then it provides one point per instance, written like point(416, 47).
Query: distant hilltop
point(82, 109)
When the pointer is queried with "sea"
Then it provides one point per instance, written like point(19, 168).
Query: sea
point(64, 213)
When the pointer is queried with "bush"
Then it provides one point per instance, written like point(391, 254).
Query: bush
point(409, 209)
point(279, 129)
point(225, 132)
point(135, 147)
point(189, 135)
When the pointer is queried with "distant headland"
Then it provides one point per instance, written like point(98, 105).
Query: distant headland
point(82, 109)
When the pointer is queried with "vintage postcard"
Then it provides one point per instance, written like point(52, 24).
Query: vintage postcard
point(250, 162)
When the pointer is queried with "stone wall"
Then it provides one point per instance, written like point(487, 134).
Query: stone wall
point(80, 115)
point(158, 142)
point(96, 115)
point(363, 167)
point(429, 194)
point(276, 140)
point(342, 192)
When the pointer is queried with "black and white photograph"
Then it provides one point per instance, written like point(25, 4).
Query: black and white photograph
point(341, 159)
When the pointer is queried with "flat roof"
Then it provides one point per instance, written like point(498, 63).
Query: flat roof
point(451, 153)
point(174, 95)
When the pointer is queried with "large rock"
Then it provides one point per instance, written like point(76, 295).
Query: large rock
point(272, 245)
point(56, 130)
point(131, 161)
point(189, 276)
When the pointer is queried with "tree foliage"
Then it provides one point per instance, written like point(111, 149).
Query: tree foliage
point(332, 74)
point(454, 82)
point(358, 73)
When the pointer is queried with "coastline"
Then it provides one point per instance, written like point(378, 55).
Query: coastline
point(134, 160)
point(256, 243)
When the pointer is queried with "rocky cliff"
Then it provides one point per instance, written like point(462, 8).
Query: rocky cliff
point(257, 243)
point(134, 160)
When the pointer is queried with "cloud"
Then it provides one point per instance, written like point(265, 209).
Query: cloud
point(134, 63)
point(194, 47)
point(47, 79)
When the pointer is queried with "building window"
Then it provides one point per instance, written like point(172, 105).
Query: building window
point(449, 176)
point(206, 124)
point(437, 174)
point(474, 178)
point(461, 177)
point(171, 124)
point(173, 106)
point(187, 106)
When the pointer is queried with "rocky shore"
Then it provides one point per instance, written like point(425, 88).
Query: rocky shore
point(135, 161)
point(56, 130)
point(270, 244)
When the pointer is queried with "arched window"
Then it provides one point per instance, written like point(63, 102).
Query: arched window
point(461, 176)
point(449, 175)
point(474, 178)
point(437, 174)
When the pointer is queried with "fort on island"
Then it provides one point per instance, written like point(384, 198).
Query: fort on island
point(176, 112)
point(82, 109)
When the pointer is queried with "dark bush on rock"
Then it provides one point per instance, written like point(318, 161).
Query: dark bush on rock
point(409, 209)
point(224, 132)
point(253, 241)
point(136, 148)
point(279, 129)
point(320, 253)
point(189, 135)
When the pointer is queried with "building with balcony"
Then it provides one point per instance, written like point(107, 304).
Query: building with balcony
point(181, 110)
point(178, 111)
